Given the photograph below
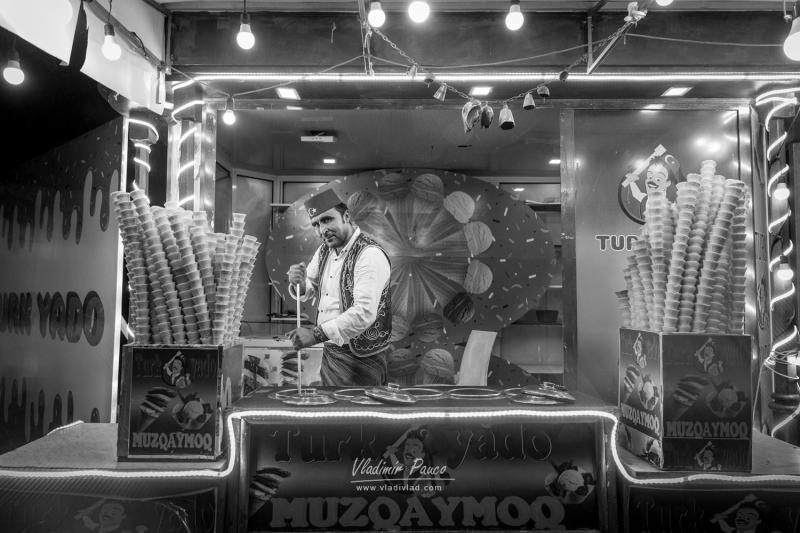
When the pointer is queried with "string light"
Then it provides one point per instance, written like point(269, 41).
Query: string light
point(229, 117)
point(376, 17)
point(111, 50)
point(785, 272)
point(419, 10)
point(781, 192)
point(791, 46)
point(514, 18)
point(13, 72)
point(245, 38)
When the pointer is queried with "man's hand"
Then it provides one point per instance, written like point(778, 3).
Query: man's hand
point(297, 276)
point(630, 178)
point(302, 338)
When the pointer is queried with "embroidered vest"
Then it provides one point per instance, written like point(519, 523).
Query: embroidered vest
point(376, 337)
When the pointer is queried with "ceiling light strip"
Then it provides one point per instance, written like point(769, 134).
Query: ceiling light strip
point(499, 77)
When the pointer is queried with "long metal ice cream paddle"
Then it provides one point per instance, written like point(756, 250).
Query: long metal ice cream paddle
point(299, 352)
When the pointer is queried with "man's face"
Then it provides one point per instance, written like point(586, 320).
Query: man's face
point(333, 227)
point(746, 517)
point(111, 514)
point(657, 178)
point(412, 450)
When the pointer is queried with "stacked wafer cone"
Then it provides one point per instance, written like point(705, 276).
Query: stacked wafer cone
point(687, 270)
point(182, 275)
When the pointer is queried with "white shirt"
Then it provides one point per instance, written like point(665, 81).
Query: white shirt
point(372, 273)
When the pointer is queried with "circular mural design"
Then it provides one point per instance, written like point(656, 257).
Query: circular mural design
point(465, 254)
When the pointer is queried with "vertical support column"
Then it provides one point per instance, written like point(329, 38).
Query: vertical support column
point(142, 133)
point(173, 161)
point(188, 162)
point(206, 159)
point(569, 171)
point(192, 152)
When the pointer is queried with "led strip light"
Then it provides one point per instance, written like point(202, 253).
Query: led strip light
point(143, 148)
point(412, 416)
point(782, 101)
point(498, 77)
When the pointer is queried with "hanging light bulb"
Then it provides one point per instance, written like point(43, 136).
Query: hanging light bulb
point(229, 117)
point(784, 272)
point(514, 19)
point(412, 71)
point(111, 50)
point(664, 3)
point(781, 192)
point(441, 92)
point(376, 17)
point(791, 46)
point(419, 10)
point(528, 102)
point(245, 38)
point(12, 72)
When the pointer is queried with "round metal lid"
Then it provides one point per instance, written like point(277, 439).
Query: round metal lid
point(304, 397)
point(515, 395)
point(391, 393)
point(550, 393)
point(425, 393)
point(475, 393)
point(355, 396)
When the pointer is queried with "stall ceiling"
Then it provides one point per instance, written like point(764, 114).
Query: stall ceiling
point(269, 141)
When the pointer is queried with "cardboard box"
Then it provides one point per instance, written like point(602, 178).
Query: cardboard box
point(172, 399)
point(685, 399)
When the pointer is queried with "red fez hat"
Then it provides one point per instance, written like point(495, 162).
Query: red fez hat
point(321, 202)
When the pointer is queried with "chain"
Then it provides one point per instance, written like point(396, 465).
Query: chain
point(413, 62)
point(396, 48)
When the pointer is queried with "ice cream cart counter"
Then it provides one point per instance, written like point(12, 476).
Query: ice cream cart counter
point(455, 459)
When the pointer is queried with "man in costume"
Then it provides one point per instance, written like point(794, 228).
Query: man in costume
point(349, 274)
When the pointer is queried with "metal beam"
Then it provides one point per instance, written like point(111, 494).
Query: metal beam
point(597, 7)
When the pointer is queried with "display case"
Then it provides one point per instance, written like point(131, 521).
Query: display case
point(459, 459)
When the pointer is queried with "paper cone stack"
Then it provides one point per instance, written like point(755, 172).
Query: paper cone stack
point(176, 268)
point(687, 270)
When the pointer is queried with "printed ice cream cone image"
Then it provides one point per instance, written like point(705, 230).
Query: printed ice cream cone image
point(192, 412)
point(726, 401)
point(570, 483)
point(152, 407)
point(686, 394)
point(631, 382)
point(264, 485)
point(649, 393)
